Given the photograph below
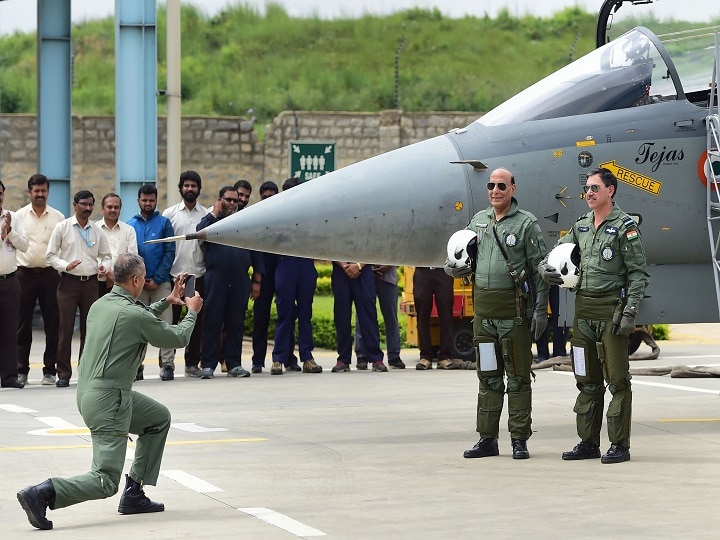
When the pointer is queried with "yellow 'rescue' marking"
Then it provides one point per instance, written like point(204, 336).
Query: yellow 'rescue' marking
point(633, 178)
point(169, 443)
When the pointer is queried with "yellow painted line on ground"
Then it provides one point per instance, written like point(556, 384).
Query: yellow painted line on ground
point(690, 420)
point(169, 443)
point(68, 431)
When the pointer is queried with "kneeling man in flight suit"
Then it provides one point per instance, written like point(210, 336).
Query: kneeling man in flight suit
point(118, 331)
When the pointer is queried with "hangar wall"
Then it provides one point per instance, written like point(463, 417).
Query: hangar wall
point(221, 149)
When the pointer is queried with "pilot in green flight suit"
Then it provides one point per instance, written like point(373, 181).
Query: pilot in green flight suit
point(118, 331)
point(505, 320)
point(613, 277)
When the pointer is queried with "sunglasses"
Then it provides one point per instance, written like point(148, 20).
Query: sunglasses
point(594, 187)
point(502, 186)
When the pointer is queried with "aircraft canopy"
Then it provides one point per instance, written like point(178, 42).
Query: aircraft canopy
point(631, 71)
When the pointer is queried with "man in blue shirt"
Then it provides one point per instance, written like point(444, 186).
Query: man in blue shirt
point(149, 224)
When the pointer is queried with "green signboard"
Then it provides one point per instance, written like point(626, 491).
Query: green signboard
point(310, 159)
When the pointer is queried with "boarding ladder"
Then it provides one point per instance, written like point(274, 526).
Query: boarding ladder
point(713, 170)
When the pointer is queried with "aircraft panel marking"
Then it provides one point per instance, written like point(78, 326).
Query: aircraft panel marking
point(633, 178)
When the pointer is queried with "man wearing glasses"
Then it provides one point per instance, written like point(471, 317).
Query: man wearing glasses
point(509, 248)
point(79, 250)
point(613, 277)
point(227, 290)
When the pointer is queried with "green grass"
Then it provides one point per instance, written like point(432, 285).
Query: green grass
point(242, 59)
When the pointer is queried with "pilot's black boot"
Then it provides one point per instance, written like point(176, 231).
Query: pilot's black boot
point(134, 500)
point(485, 447)
point(35, 500)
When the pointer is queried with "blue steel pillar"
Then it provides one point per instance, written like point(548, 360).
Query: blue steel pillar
point(55, 100)
point(135, 99)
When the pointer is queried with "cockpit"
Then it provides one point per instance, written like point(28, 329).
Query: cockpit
point(634, 70)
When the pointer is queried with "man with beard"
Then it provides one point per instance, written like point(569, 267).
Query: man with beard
point(184, 217)
point(76, 245)
point(244, 190)
point(150, 225)
point(227, 288)
point(38, 280)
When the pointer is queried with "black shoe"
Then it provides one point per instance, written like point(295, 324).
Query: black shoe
point(134, 500)
point(485, 447)
point(396, 363)
point(361, 364)
point(139, 376)
point(167, 373)
point(256, 369)
point(582, 450)
point(520, 450)
point(62, 383)
point(35, 500)
point(616, 454)
point(293, 367)
point(12, 383)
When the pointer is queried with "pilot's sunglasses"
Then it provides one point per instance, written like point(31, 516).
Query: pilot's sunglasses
point(595, 188)
point(502, 186)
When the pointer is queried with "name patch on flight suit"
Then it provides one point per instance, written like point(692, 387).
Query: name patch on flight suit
point(607, 253)
point(511, 239)
point(611, 230)
point(583, 229)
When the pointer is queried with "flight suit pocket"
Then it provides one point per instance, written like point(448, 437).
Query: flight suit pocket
point(487, 357)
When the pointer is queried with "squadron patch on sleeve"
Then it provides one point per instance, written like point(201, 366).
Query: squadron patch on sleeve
point(607, 253)
point(511, 240)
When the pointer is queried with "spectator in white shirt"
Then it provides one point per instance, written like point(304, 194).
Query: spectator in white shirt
point(185, 217)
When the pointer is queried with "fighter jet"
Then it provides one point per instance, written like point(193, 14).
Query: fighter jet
point(642, 105)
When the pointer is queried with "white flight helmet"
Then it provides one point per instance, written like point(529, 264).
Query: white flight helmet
point(565, 258)
point(462, 248)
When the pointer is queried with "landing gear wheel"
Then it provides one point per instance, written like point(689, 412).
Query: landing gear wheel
point(462, 340)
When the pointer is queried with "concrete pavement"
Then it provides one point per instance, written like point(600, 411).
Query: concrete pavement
point(379, 455)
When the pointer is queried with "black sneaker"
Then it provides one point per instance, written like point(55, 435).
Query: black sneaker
point(396, 363)
point(361, 364)
point(485, 447)
point(341, 367)
point(616, 454)
point(520, 450)
point(582, 450)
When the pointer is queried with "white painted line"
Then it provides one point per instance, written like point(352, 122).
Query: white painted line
point(190, 481)
point(56, 422)
point(15, 408)
point(658, 385)
point(282, 521)
point(192, 427)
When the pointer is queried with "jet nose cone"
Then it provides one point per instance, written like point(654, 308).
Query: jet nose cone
point(396, 208)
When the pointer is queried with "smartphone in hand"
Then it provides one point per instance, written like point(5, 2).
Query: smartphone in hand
point(190, 286)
